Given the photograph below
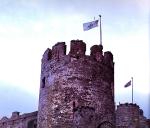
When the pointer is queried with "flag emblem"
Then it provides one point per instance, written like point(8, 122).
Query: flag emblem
point(90, 25)
point(127, 84)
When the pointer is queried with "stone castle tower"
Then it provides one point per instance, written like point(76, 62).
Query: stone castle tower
point(129, 115)
point(76, 90)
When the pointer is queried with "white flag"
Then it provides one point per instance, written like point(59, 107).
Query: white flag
point(90, 25)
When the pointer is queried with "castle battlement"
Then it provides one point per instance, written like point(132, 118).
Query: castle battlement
point(128, 105)
point(77, 51)
point(58, 50)
point(78, 64)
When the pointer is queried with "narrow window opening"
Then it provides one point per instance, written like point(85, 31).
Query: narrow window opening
point(43, 82)
point(74, 104)
point(78, 57)
point(35, 126)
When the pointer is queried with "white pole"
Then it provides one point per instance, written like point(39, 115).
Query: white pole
point(100, 31)
point(132, 89)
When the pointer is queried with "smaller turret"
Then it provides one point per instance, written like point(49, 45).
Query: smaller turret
point(127, 115)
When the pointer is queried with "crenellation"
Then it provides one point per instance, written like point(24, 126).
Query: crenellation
point(128, 105)
point(58, 50)
point(47, 55)
point(141, 112)
point(97, 52)
point(15, 115)
point(77, 49)
point(108, 59)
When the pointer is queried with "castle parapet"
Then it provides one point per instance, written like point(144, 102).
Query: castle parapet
point(58, 50)
point(108, 59)
point(141, 112)
point(77, 48)
point(97, 52)
point(127, 105)
point(15, 115)
point(47, 55)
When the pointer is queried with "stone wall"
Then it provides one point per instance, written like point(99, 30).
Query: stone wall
point(148, 123)
point(27, 120)
point(76, 90)
point(130, 115)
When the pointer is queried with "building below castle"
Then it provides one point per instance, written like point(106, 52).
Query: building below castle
point(77, 91)
point(27, 120)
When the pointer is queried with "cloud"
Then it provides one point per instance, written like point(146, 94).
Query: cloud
point(16, 99)
point(143, 7)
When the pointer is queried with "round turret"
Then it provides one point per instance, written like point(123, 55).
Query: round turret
point(127, 115)
point(76, 90)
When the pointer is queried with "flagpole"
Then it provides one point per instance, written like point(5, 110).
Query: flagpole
point(100, 30)
point(132, 89)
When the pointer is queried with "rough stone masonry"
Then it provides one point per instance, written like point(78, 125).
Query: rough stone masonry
point(76, 90)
